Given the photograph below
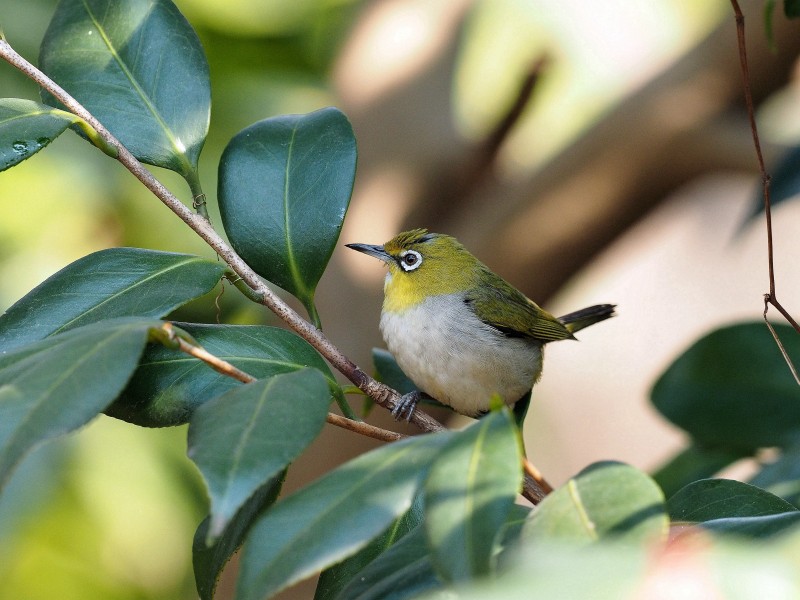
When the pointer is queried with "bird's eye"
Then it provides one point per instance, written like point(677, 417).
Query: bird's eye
point(410, 260)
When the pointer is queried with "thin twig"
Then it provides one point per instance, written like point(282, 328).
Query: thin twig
point(227, 369)
point(765, 178)
point(771, 297)
point(778, 341)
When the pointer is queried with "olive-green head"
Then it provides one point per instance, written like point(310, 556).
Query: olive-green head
point(423, 264)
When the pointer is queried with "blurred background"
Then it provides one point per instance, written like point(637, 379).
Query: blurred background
point(587, 152)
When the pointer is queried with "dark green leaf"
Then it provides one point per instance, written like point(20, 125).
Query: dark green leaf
point(605, 500)
point(389, 372)
point(334, 517)
point(755, 527)
point(732, 389)
point(284, 188)
point(791, 8)
point(208, 561)
point(404, 571)
point(242, 439)
point(709, 499)
point(168, 386)
point(118, 282)
point(469, 493)
point(782, 476)
point(138, 67)
point(56, 385)
point(26, 127)
point(334, 579)
point(693, 463)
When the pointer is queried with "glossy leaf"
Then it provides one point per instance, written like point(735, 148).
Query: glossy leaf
point(403, 571)
point(732, 389)
point(242, 439)
point(755, 527)
point(26, 127)
point(56, 385)
point(469, 493)
point(284, 188)
point(138, 67)
point(605, 500)
point(693, 463)
point(723, 498)
point(168, 386)
point(117, 282)
point(336, 578)
point(334, 517)
point(209, 561)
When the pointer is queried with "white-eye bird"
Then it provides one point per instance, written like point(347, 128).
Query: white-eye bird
point(459, 331)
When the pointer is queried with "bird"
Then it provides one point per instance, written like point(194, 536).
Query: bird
point(460, 332)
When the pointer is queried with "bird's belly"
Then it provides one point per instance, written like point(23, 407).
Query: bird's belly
point(457, 359)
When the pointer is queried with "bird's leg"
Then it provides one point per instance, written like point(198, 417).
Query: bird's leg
point(407, 404)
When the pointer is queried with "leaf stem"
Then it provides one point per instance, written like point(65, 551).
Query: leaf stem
point(198, 196)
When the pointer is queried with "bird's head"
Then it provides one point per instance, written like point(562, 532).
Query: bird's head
point(422, 264)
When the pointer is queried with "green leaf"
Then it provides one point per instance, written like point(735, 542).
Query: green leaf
point(732, 389)
point(118, 282)
point(334, 579)
point(767, 14)
point(168, 386)
point(605, 500)
point(138, 67)
point(334, 517)
point(208, 561)
point(26, 127)
point(403, 571)
point(791, 8)
point(284, 188)
point(761, 527)
point(56, 385)
point(389, 372)
point(469, 494)
point(242, 439)
point(709, 499)
point(692, 463)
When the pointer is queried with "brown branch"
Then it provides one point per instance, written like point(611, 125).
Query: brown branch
point(227, 369)
point(534, 473)
point(771, 297)
point(382, 394)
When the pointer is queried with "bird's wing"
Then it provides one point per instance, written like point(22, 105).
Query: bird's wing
point(508, 310)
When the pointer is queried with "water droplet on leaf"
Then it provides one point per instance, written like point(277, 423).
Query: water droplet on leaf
point(20, 147)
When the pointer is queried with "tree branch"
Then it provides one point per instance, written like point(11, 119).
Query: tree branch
point(771, 297)
point(382, 394)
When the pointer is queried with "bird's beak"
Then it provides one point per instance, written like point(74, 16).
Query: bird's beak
point(376, 251)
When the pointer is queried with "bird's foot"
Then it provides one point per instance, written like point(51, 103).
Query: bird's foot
point(405, 408)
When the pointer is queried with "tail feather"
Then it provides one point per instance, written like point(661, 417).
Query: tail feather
point(575, 321)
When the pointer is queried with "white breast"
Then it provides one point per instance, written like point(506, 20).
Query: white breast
point(454, 357)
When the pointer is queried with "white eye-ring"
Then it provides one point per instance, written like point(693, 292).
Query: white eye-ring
point(410, 260)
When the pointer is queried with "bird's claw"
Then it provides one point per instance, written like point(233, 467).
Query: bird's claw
point(405, 407)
